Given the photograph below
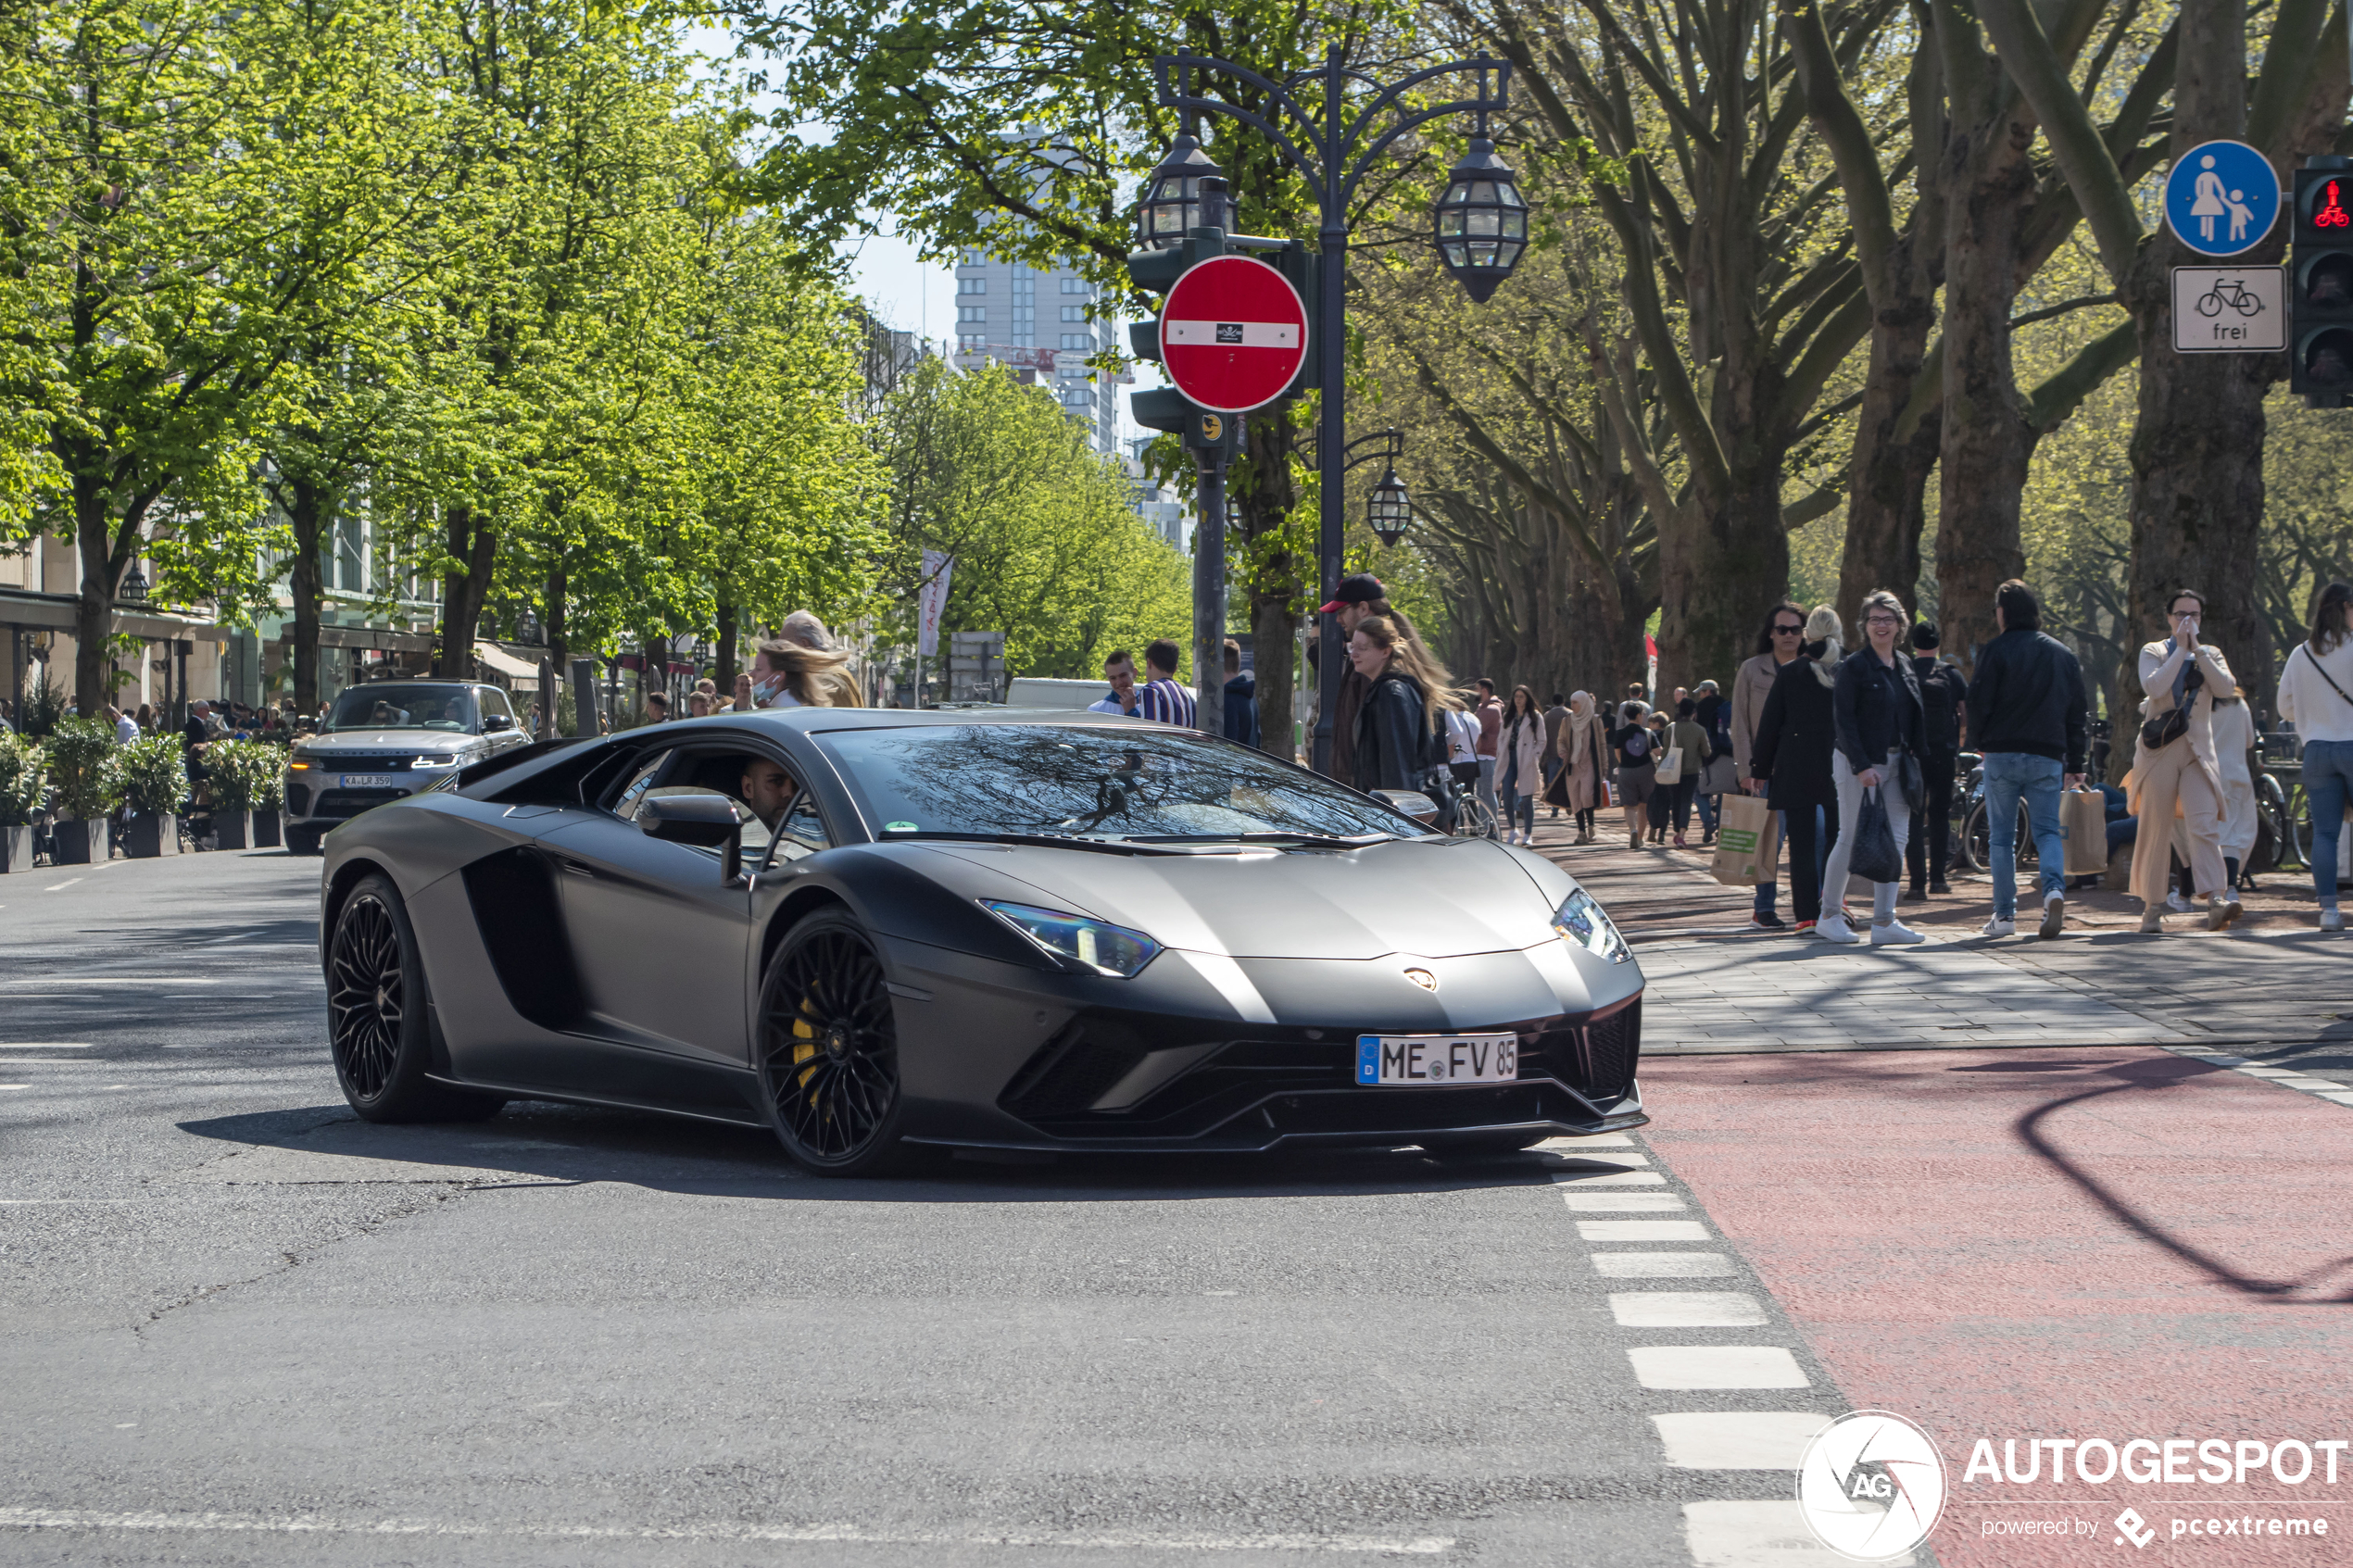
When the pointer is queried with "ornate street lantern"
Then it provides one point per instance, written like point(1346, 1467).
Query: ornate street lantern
point(1481, 221)
point(1171, 200)
point(1388, 510)
point(134, 586)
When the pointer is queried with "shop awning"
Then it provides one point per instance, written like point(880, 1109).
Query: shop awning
point(369, 637)
point(55, 612)
point(493, 657)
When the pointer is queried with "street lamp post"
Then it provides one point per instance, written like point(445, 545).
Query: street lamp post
point(1388, 510)
point(1481, 228)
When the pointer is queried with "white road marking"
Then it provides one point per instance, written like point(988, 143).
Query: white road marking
point(1716, 1366)
point(1759, 1535)
point(1623, 1202)
point(1685, 1308)
point(1643, 1230)
point(61, 887)
point(4, 1086)
point(1660, 1265)
point(2309, 1086)
point(1737, 1440)
point(45, 1045)
point(115, 980)
point(1590, 1140)
point(2343, 1098)
point(1583, 1179)
point(1623, 1159)
point(304, 1524)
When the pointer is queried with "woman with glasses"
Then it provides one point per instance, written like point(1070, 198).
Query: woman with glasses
point(2182, 675)
point(1791, 762)
point(1879, 720)
point(1776, 645)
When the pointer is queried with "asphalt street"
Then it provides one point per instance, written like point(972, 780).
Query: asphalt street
point(243, 1326)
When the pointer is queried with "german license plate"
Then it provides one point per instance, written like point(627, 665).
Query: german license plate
point(1420, 1060)
point(372, 781)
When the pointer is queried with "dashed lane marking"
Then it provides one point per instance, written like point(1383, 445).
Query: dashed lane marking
point(1622, 1202)
point(1581, 1179)
point(1716, 1366)
point(1641, 1230)
point(45, 1045)
point(1759, 1535)
point(84, 1519)
point(1685, 1308)
point(61, 887)
point(1661, 1265)
point(1737, 1440)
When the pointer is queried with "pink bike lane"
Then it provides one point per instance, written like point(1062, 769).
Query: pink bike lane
point(2044, 1249)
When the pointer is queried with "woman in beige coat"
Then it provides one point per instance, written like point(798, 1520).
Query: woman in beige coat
point(1583, 748)
point(2182, 672)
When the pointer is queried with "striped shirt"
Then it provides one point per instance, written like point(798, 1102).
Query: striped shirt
point(1166, 702)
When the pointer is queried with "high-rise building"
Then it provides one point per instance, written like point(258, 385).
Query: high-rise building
point(1039, 323)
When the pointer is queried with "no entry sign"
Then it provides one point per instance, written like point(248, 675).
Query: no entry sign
point(1234, 334)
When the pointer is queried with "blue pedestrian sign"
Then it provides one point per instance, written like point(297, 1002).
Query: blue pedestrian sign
point(2221, 199)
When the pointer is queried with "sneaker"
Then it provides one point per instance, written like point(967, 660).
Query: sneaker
point(1634, 841)
point(2179, 905)
point(2054, 916)
point(1937, 889)
point(1894, 933)
point(2151, 921)
point(2221, 911)
point(2332, 919)
point(1771, 922)
point(1997, 926)
point(1809, 928)
point(1914, 895)
point(1833, 928)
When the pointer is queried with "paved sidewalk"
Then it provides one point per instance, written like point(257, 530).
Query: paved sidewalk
point(1719, 986)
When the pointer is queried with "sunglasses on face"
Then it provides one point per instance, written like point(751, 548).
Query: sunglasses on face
point(1787, 631)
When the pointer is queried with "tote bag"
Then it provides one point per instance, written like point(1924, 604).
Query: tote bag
point(1670, 766)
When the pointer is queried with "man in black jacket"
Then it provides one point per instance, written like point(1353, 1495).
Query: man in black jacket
point(1942, 689)
point(2030, 715)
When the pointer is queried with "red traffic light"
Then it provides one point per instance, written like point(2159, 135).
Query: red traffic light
point(2328, 206)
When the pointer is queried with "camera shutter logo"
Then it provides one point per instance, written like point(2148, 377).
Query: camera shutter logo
point(1871, 1486)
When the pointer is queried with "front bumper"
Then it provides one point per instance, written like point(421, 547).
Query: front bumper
point(314, 800)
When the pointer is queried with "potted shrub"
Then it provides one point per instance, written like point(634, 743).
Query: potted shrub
point(270, 799)
point(150, 776)
point(24, 789)
point(247, 779)
point(77, 750)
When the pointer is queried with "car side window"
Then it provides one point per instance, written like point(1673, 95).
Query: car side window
point(625, 803)
point(494, 700)
point(802, 832)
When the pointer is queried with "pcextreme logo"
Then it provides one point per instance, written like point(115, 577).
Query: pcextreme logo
point(1871, 1486)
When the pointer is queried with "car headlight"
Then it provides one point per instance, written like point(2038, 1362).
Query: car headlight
point(458, 760)
point(1581, 923)
point(1093, 944)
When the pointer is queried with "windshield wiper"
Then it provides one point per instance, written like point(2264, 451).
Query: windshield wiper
point(1314, 840)
point(1054, 840)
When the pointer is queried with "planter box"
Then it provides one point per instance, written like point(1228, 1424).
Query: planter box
point(265, 830)
point(16, 849)
point(78, 842)
point(232, 830)
point(152, 833)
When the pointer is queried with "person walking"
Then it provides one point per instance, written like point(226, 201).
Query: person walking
point(1521, 777)
point(1242, 698)
point(1789, 763)
point(2174, 767)
point(1631, 745)
point(1944, 690)
point(2316, 695)
point(2031, 718)
point(1490, 714)
point(1655, 814)
point(1776, 646)
point(2233, 738)
point(1555, 715)
point(1687, 734)
point(1358, 596)
point(1714, 715)
point(1876, 716)
point(1585, 755)
point(1398, 731)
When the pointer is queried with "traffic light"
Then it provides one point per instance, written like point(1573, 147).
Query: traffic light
point(1164, 407)
point(2321, 284)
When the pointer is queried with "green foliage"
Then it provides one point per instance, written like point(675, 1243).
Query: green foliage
point(245, 776)
point(24, 783)
point(1048, 548)
point(148, 774)
point(78, 751)
point(44, 705)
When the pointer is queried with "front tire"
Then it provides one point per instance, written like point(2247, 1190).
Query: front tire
point(377, 1026)
point(828, 1050)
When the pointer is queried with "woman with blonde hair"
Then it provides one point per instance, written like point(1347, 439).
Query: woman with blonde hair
point(787, 675)
point(1397, 728)
point(1879, 729)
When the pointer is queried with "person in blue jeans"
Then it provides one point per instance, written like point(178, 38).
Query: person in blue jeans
point(2031, 718)
point(2316, 695)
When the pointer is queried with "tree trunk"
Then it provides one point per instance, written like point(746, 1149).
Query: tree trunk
point(93, 611)
point(724, 677)
point(305, 586)
point(1986, 440)
point(1886, 495)
point(1274, 649)
point(462, 594)
point(1711, 575)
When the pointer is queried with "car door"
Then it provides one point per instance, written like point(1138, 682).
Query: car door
point(500, 726)
point(660, 932)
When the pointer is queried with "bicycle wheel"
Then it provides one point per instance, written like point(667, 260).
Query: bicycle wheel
point(2210, 302)
point(1478, 819)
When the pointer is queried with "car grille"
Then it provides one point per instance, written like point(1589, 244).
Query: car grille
point(340, 762)
point(352, 802)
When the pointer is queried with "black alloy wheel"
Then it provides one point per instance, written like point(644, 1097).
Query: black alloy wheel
point(829, 1049)
point(377, 1026)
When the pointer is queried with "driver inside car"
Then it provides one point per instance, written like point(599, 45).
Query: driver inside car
point(768, 790)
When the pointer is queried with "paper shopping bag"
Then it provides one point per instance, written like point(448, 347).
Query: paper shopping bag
point(1748, 842)
point(2083, 824)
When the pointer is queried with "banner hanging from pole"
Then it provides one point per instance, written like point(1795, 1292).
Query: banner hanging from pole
point(932, 600)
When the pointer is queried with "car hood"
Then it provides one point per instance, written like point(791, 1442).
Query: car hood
point(1428, 898)
point(374, 743)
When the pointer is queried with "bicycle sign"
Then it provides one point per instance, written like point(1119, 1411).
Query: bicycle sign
point(2230, 309)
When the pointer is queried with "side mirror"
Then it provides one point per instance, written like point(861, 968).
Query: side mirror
point(1412, 802)
point(707, 821)
point(493, 723)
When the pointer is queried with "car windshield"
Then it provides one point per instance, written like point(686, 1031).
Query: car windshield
point(1127, 781)
point(391, 705)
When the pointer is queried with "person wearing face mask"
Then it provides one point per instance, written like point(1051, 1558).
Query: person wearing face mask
point(2182, 675)
point(787, 675)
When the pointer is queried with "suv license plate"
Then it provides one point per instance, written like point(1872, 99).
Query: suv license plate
point(372, 781)
point(1420, 1060)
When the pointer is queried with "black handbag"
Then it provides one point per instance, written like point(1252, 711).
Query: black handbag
point(1876, 858)
point(2175, 723)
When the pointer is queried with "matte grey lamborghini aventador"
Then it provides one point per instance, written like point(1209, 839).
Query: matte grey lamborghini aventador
point(873, 928)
